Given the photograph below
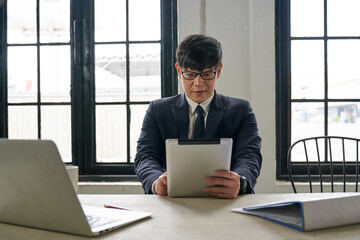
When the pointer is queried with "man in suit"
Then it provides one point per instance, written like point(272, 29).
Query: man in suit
point(200, 112)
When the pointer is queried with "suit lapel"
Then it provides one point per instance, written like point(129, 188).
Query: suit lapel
point(181, 115)
point(213, 120)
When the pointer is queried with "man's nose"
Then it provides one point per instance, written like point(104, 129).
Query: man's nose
point(198, 80)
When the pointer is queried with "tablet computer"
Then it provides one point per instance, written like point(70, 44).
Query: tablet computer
point(189, 161)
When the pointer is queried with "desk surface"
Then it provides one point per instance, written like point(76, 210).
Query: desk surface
point(190, 218)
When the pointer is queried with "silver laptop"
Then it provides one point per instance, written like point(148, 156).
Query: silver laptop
point(35, 191)
point(189, 161)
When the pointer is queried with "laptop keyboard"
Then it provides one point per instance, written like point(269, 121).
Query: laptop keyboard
point(98, 221)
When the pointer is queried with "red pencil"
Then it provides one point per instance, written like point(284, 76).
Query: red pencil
point(116, 207)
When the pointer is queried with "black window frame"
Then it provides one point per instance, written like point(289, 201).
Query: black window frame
point(283, 89)
point(282, 86)
point(83, 82)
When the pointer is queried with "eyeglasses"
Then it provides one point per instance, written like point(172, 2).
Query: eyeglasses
point(203, 75)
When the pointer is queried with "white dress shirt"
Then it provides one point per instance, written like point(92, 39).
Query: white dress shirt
point(193, 114)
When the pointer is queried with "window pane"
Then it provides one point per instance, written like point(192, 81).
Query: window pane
point(21, 21)
point(307, 69)
point(298, 152)
point(337, 152)
point(56, 125)
point(111, 143)
point(307, 120)
point(54, 21)
point(344, 70)
point(145, 82)
point(110, 73)
point(22, 74)
point(307, 18)
point(144, 20)
point(55, 73)
point(110, 20)
point(23, 122)
point(344, 119)
point(137, 116)
point(343, 18)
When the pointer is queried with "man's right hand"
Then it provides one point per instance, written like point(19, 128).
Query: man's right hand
point(160, 185)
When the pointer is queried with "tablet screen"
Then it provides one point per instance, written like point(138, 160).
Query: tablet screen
point(189, 161)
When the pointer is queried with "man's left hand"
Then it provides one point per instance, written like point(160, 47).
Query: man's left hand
point(229, 184)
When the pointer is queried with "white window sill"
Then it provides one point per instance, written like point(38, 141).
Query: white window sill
point(110, 188)
point(303, 187)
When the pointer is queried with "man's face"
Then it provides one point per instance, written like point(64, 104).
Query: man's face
point(199, 89)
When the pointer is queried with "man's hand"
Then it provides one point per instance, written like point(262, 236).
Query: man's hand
point(160, 185)
point(229, 184)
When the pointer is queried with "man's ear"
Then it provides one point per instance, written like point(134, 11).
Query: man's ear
point(178, 69)
point(219, 70)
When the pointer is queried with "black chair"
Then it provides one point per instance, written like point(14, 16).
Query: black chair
point(324, 159)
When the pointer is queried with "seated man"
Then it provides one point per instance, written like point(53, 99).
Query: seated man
point(199, 66)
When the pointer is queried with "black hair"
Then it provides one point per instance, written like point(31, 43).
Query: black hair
point(198, 52)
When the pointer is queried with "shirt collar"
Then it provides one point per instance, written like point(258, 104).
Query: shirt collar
point(205, 105)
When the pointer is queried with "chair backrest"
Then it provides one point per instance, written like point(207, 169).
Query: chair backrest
point(323, 163)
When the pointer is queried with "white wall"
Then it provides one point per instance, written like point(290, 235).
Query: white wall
point(246, 30)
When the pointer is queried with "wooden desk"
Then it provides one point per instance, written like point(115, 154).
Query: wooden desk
point(190, 218)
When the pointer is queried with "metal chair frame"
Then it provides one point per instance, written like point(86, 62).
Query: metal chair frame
point(320, 164)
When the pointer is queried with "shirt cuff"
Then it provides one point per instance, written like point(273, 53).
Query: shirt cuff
point(153, 187)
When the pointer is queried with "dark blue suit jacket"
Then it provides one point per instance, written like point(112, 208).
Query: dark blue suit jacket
point(227, 118)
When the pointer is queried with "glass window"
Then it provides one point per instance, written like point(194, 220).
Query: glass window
point(137, 115)
point(22, 85)
point(55, 73)
point(343, 16)
point(82, 73)
point(54, 21)
point(21, 21)
point(145, 72)
point(307, 120)
point(56, 125)
point(311, 25)
point(344, 71)
point(38, 73)
point(17, 128)
point(111, 141)
point(149, 10)
point(110, 20)
point(317, 56)
point(307, 69)
point(110, 73)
